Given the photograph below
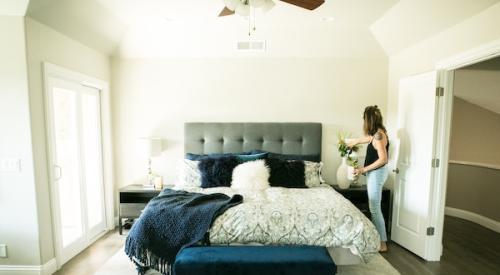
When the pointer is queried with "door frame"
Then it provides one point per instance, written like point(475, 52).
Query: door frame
point(51, 70)
point(443, 135)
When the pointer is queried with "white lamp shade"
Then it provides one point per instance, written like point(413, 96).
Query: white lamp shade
point(152, 147)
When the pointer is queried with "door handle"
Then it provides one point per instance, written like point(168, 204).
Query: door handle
point(59, 172)
point(396, 170)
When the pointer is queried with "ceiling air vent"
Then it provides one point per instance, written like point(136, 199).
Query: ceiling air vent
point(251, 46)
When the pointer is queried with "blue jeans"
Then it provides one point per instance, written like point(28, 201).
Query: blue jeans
point(375, 181)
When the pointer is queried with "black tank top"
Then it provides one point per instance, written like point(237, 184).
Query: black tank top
point(372, 155)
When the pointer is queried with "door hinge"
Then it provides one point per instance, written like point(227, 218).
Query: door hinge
point(435, 163)
point(430, 231)
point(439, 91)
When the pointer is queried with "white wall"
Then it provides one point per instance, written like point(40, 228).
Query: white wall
point(155, 97)
point(18, 212)
point(423, 56)
point(475, 133)
point(46, 45)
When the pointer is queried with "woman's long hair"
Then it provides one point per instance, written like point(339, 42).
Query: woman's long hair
point(373, 120)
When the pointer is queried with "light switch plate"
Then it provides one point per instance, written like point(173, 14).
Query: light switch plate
point(10, 165)
point(3, 251)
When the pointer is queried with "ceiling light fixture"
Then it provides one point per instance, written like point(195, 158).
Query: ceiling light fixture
point(242, 7)
point(247, 8)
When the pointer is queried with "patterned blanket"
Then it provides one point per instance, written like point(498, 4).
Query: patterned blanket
point(284, 216)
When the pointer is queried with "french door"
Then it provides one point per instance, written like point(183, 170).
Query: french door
point(74, 133)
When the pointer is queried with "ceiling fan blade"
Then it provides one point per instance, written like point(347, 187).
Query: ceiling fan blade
point(226, 12)
point(306, 4)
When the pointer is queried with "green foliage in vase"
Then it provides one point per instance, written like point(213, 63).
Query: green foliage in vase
point(352, 161)
point(344, 150)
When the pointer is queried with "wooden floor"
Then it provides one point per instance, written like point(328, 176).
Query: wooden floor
point(468, 249)
point(92, 258)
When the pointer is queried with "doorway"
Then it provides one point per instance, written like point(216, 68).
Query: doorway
point(472, 220)
point(74, 131)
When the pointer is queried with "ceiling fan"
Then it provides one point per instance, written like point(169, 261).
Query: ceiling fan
point(242, 7)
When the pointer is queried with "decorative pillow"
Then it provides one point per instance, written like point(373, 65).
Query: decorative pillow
point(313, 158)
point(190, 175)
point(251, 175)
point(312, 171)
point(286, 173)
point(245, 156)
point(217, 172)
point(251, 157)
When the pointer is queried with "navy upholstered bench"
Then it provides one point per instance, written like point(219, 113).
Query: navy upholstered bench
point(254, 260)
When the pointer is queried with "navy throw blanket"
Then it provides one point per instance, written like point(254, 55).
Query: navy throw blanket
point(171, 221)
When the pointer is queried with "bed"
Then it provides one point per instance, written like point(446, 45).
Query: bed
point(283, 216)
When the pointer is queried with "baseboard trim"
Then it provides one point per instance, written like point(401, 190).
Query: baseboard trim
point(473, 217)
point(48, 268)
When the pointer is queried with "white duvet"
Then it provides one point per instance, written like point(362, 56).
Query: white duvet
point(284, 216)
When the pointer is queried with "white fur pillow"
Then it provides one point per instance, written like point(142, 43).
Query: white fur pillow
point(251, 175)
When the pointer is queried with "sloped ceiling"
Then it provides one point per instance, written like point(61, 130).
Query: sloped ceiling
point(82, 20)
point(158, 28)
point(13, 7)
point(176, 28)
point(411, 21)
point(192, 28)
point(479, 84)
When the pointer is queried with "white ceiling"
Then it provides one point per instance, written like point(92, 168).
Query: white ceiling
point(83, 20)
point(165, 28)
point(480, 84)
point(411, 21)
point(191, 28)
point(13, 7)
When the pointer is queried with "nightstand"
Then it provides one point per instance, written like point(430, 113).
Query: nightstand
point(133, 199)
point(359, 197)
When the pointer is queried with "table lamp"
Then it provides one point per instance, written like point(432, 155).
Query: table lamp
point(152, 148)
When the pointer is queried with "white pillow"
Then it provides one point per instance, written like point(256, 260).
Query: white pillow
point(189, 174)
point(312, 171)
point(252, 175)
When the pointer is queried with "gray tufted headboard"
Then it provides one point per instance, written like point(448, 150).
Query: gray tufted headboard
point(285, 138)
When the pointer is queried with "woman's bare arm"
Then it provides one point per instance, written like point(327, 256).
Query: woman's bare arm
point(360, 140)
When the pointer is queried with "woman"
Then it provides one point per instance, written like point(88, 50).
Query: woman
point(375, 167)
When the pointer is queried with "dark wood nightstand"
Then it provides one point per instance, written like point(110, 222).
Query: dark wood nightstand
point(133, 199)
point(359, 197)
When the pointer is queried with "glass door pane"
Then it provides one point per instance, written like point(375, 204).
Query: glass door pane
point(74, 122)
point(67, 159)
point(92, 160)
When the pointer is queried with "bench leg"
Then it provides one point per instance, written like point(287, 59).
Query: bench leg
point(120, 225)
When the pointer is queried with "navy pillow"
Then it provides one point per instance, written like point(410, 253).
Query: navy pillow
point(251, 157)
point(286, 173)
point(217, 171)
point(244, 157)
point(314, 158)
point(190, 156)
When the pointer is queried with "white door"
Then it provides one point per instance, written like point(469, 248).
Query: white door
point(74, 131)
point(411, 226)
